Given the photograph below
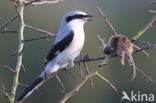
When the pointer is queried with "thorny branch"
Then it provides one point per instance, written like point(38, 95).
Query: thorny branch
point(107, 21)
point(87, 70)
point(86, 58)
point(5, 91)
point(149, 25)
point(81, 83)
point(40, 30)
point(38, 2)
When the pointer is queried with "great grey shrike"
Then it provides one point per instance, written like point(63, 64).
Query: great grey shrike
point(67, 46)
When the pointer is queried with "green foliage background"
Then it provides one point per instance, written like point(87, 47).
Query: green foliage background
point(127, 16)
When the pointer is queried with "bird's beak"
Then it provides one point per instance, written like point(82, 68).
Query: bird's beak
point(87, 18)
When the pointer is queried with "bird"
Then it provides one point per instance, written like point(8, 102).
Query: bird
point(67, 46)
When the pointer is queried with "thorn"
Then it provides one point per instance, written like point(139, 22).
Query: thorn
point(60, 82)
point(23, 67)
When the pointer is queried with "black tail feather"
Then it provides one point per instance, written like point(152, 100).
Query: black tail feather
point(30, 89)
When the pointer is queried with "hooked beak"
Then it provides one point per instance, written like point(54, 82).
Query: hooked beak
point(87, 18)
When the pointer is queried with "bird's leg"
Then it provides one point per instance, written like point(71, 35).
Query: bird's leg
point(71, 64)
point(45, 73)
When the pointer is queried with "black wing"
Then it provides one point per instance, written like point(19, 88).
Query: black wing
point(59, 47)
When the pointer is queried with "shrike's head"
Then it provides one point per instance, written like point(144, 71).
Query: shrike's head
point(76, 18)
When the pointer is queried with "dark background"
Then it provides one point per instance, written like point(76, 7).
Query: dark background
point(127, 16)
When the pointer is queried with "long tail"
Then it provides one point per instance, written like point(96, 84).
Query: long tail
point(27, 92)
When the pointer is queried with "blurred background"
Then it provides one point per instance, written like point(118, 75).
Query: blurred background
point(127, 16)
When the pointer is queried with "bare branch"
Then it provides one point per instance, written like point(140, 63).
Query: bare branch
point(38, 2)
point(22, 66)
point(89, 59)
point(107, 81)
point(149, 25)
point(81, 71)
point(87, 70)
point(107, 21)
point(62, 91)
point(5, 91)
point(143, 73)
point(71, 73)
point(38, 38)
point(60, 82)
point(144, 48)
point(40, 30)
point(23, 85)
point(14, 53)
point(10, 69)
point(9, 31)
point(80, 84)
point(8, 22)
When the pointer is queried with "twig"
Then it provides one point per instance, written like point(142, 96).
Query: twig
point(14, 53)
point(8, 22)
point(34, 2)
point(38, 38)
point(87, 70)
point(23, 85)
point(71, 73)
point(89, 59)
point(22, 66)
point(19, 58)
point(81, 71)
point(80, 84)
point(5, 91)
point(143, 73)
point(107, 21)
point(145, 29)
point(107, 81)
point(10, 69)
point(142, 42)
point(60, 82)
point(40, 30)
point(145, 48)
point(9, 31)
point(62, 91)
